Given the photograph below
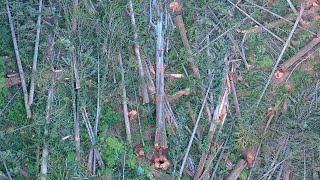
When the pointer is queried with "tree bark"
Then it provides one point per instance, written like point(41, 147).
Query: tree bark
point(143, 86)
point(124, 100)
point(21, 73)
point(35, 55)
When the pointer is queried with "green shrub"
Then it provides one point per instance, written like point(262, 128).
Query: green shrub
point(109, 115)
point(5, 40)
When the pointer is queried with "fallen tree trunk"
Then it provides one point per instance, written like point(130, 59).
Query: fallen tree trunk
point(45, 150)
point(195, 129)
point(161, 136)
point(219, 116)
point(74, 25)
point(238, 168)
point(76, 124)
point(124, 100)
point(21, 73)
point(288, 63)
point(143, 86)
point(180, 24)
point(35, 55)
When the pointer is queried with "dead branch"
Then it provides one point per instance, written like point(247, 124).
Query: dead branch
point(35, 55)
point(264, 28)
point(180, 24)
point(288, 63)
point(143, 87)
point(97, 117)
point(21, 73)
point(7, 171)
point(219, 116)
point(238, 168)
point(219, 159)
point(280, 57)
point(211, 157)
point(92, 137)
point(195, 129)
point(45, 150)
point(235, 96)
point(124, 100)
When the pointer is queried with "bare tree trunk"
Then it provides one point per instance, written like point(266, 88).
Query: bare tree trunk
point(21, 73)
point(45, 150)
point(35, 55)
point(124, 100)
point(143, 87)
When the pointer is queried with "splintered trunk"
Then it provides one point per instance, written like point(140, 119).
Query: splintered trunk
point(161, 135)
point(143, 87)
point(21, 73)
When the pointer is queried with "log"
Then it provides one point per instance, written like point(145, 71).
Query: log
point(124, 100)
point(76, 124)
point(178, 20)
point(180, 24)
point(143, 86)
point(288, 63)
point(35, 55)
point(161, 135)
point(74, 25)
point(45, 150)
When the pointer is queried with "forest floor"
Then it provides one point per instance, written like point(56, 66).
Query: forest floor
point(160, 89)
